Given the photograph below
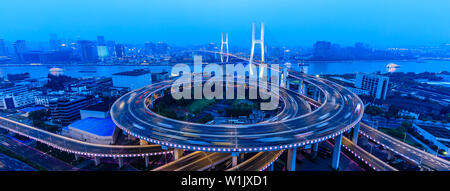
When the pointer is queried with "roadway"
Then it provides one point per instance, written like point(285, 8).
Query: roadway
point(366, 157)
point(338, 113)
point(79, 147)
point(411, 153)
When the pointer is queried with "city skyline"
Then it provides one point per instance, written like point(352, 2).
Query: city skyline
point(394, 24)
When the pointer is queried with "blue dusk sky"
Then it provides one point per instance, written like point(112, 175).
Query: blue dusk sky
point(380, 23)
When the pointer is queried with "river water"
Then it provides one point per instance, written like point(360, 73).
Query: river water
point(312, 68)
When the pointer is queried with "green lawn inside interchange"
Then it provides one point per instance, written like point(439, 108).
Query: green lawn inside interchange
point(199, 105)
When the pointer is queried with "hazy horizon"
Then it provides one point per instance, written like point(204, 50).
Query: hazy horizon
point(381, 23)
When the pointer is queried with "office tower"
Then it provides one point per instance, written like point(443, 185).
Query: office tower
point(102, 50)
point(19, 49)
point(101, 41)
point(66, 110)
point(149, 48)
point(119, 49)
point(322, 50)
point(54, 43)
point(377, 85)
point(87, 51)
point(3, 51)
point(161, 48)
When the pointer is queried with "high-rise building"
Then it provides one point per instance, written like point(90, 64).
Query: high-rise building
point(119, 49)
point(16, 97)
point(111, 46)
point(20, 48)
point(322, 50)
point(87, 51)
point(66, 110)
point(132, 79)
point(102, 50)
point(149, 48)
point(161, 48)
point(101, 41)
point(54, 42)
point(3, 50)
point(377, 85)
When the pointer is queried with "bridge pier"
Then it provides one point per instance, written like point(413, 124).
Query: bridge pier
point(355, 133)
point(291, 159)
point(314, 149)
point(151, 102)
point(177, 153)
point(96, 161)
point(146, 161)
point(241, 157)
point(234, 159)
point(391, 155)
point(77, 157)
point(120, 162)
point(316, 95)
point(336, 152)
point(270, 168)
point(142, 142)
point(300, 87)
point(288, 84)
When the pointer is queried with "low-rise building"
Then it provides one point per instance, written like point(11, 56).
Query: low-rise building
point(65, 110)
point(93, 130)
point(132, 79)
point(377, 85)
point(16, 97)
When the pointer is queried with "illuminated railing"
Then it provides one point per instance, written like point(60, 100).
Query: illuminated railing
point(79, 147)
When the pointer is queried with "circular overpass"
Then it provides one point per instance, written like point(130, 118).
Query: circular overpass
point(338, 111)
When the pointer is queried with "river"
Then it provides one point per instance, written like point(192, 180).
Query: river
point(312, 68)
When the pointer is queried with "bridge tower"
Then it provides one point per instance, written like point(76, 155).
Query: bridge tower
point(257, 41)
point(221, 47)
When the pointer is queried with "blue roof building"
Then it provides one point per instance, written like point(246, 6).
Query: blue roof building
point(93, 130)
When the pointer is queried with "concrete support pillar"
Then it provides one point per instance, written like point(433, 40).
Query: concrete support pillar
point(336, 152)
point(315, 93)
point(177, 153)
point(390, 155)
point(241, 157)
point(315, 148)
point(77, 157)
point(162, 93)
point(355, 134)
point(142, 142)
point(291, 159)
point(97, 161)
point(120, 162)
point(146, 161)
point(288, 84)
point(234, 159)
point(270, 168)
point(151, 102)
point(300, 87)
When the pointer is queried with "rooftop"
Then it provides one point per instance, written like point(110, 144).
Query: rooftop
point(440, 132)
point(96, 126)
point(31, 109)
point(102, 106)
point(133, 73)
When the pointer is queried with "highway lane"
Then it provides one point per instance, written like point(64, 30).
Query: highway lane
point(197, 158)
point(328, 120)
point(259, 161)
point(411, 153)
point(196, 161)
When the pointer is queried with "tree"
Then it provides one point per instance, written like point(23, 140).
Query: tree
point(39, 115)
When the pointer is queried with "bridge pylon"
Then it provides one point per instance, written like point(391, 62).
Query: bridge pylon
point(257, 41)
point(224, 43)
